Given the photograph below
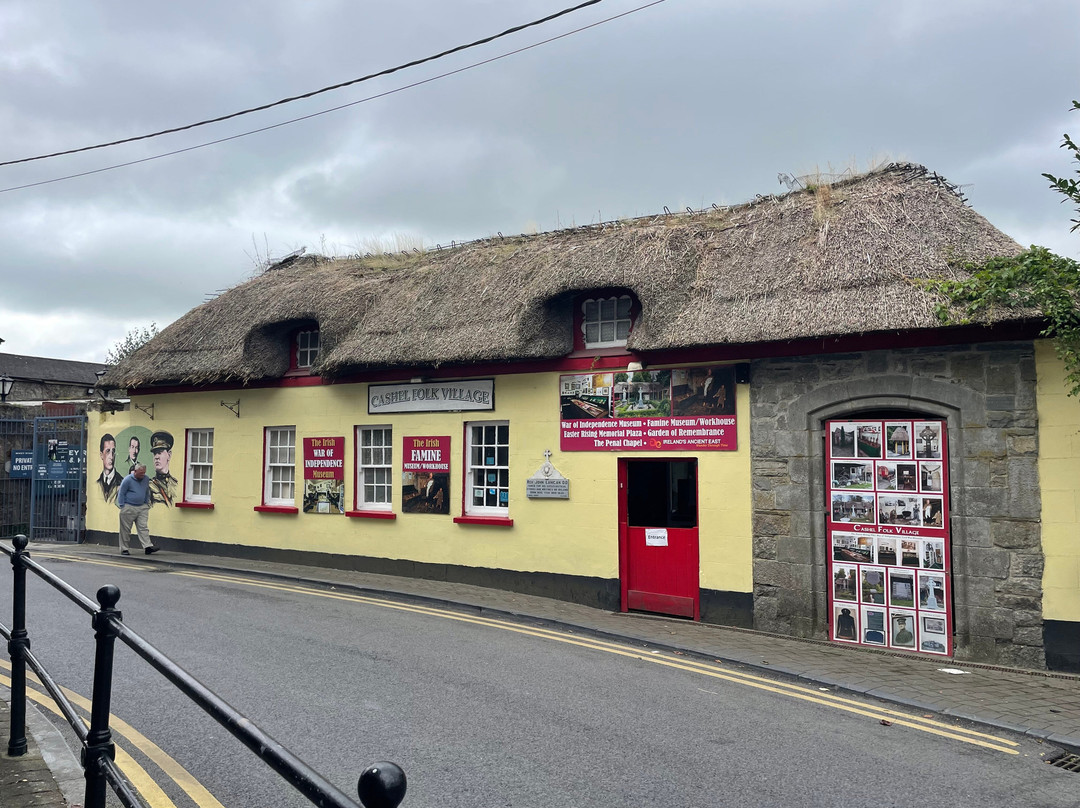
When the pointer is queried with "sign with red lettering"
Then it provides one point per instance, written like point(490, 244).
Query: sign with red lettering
point(425, 478)
point(649, 410)
point(324, 475)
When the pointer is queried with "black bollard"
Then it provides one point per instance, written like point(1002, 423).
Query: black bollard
point(99, 739)
point(382, 785)
point(18, 645)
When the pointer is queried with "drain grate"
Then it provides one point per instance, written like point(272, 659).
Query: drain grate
point(1070, 763)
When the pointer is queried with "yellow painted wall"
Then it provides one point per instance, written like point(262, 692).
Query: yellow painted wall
point(1059, 480)
point(578, 536)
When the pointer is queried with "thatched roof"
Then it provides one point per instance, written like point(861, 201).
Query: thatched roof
point(835, 260)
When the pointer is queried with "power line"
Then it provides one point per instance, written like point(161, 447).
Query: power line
point(331, 109)
point(311, 94)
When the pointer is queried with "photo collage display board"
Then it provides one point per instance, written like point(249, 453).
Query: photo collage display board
point(887, 520)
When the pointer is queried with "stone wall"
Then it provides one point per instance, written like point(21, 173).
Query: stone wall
point(986, 394)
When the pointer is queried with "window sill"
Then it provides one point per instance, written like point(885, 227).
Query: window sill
point(579, 353)
point(201, 506)
point(497, 521)
point(277, 509)
point(371, 514)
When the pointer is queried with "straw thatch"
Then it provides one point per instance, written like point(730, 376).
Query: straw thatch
point(840, 259)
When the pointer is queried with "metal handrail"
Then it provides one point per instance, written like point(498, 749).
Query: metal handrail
point(381, 785)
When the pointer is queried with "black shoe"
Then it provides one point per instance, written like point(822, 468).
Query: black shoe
point(152, 549)
point(125, 552)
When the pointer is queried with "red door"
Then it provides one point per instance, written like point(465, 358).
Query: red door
point(658, 536)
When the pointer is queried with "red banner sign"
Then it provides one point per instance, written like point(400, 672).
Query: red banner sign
point(431, 454)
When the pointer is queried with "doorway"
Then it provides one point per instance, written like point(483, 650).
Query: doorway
point(658, 536)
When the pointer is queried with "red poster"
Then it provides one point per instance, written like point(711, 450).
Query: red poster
point(425, 478)
point(888, 525)
point(324, 475)
point(680, 409)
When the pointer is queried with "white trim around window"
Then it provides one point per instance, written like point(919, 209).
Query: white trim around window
point(279, 474)
point(606, 321)
point(199, 465)
point(374, 468)
point(487, 468)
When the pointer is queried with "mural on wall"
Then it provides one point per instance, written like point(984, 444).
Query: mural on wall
point(134, 444)
point(887, 519)
point(652, 410)
point(163, 485)
point(324, 475)
point(109, 479)
point(425, 477)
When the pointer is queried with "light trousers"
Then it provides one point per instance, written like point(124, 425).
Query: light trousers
point(137, 514)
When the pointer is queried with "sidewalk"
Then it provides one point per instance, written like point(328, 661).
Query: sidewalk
point(1045, 706)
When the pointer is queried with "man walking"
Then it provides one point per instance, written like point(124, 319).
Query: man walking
point(133, 500)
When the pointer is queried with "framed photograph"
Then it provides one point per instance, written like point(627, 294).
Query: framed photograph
point(901, 588)
point(932, 591)
point(886, 551)
point(932, 513)
point(842, 440)
point(932, 635)
point(930, 474)
point(853, 508)
point(927, 437)
point(899, 510)
point(845, 623)
point(852, 474)
point(845, 582)
point(873, 585)
point(933, 554)
point(897, 439)
point(907, 477)
point(902, 629)
point(909, 553)
point(874, 630)
point(885, 476)
point(868, 440)
point(853, 547)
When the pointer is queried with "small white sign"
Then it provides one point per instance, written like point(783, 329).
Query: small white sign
point(656, 537)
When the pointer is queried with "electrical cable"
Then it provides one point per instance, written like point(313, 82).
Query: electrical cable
point(332, 109)
point(368, 77)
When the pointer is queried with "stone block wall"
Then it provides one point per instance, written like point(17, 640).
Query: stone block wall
point(986, 394)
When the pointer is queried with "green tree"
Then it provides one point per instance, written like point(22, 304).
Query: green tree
point(1036, 280)
point(135, 339)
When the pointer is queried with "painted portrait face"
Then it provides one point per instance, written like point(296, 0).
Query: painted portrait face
point(108, 455)
point(133, 449)
point(161, 460)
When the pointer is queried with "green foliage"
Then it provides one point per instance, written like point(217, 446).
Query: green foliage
point(1036, 279)
point(1070, 189)
point(135, 339)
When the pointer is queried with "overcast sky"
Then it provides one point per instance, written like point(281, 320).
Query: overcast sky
point(684, 103)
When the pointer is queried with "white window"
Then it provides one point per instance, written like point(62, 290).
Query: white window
point(279, 487)
point(374, 483)
point(606, 321)
point(307, 348)
point(487, 480)
point(199, 471)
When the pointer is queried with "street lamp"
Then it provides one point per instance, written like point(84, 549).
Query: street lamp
point(6, 383)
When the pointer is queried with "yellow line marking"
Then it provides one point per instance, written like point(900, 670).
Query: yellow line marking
point(794, 691)
point(142, 781)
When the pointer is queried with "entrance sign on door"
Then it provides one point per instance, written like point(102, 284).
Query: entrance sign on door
point(656, 537)
point(888, 526)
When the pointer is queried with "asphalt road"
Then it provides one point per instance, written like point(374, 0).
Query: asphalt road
point(496, 714)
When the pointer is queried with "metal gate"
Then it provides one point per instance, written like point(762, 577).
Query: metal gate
point(43, 484)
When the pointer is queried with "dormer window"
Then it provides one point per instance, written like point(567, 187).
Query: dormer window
point(306, 349)
point(605, 321)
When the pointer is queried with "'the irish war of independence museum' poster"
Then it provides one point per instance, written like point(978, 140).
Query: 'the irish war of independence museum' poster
point(425, 474)
point(888, 525)
point(324, 475)
point(665, 409)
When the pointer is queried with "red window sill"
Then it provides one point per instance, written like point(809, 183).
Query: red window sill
point(497, 521)
point(276, 509)
point(202, 506)
point(371, 514)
